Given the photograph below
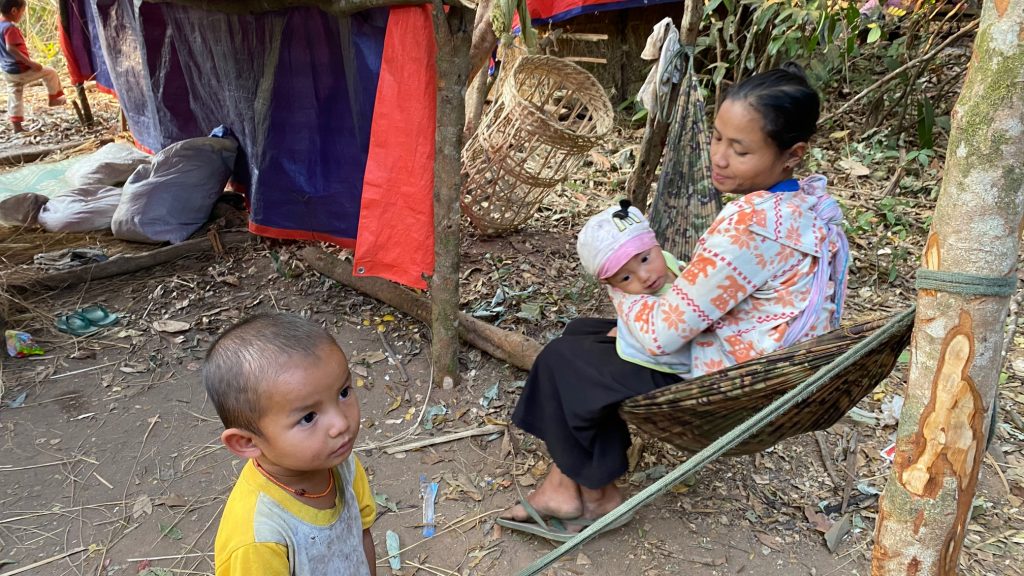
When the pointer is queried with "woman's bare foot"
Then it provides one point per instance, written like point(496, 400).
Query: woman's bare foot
point(600, 501)
point(558, 496)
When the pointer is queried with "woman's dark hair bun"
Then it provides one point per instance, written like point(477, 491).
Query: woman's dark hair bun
point(796, 70)
point(788, 105)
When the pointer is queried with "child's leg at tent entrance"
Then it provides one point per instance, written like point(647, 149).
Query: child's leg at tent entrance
point(53, 87)
point(15, 105)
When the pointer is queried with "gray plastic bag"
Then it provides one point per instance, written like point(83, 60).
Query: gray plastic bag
point(171, 198)
point(111, 165)
point(83, 209)
point(22, 209)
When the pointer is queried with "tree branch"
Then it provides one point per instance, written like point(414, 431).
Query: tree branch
point(890, 76)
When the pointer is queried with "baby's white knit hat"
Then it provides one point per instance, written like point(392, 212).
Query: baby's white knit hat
point(612, 237)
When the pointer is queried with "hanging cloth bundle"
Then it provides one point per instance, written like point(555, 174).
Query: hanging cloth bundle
point(686, 202)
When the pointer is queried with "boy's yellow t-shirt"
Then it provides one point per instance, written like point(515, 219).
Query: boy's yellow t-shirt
point(265, 530)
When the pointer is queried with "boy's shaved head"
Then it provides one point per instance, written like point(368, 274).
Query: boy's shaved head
point(251, 353)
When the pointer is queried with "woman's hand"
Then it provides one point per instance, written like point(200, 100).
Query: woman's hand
point(614, 332)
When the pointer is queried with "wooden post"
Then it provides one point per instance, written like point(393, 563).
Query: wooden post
point(452, 32)
point(83, 100)
point(638, 186)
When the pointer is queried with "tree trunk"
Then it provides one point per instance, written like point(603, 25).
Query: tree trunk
point(452, 30)
point(476, 99)
point(480, 49)
point(638, 186)
point(957, 343)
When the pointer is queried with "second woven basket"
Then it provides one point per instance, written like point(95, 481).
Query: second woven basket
point(550, 114)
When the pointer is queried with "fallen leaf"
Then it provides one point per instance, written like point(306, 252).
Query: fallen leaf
point(143, 505)
point(396, 400)
point(385, 501)
point(540, 469)
point(170, 531)
point(478, 555)
point(171, 501)
point(170, 326)
point(526, 480)
point(17, 402)
point(461, 483)
point(767, 540)
point(601, 160)
point(134, 368)
point(835, 534)
point(820, 522)
point(429, 458)
point(368, 357)
point(854, 168)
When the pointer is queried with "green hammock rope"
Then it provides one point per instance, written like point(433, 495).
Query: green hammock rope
point(965, 284)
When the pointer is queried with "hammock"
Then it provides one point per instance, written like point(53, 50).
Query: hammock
point(693, 414)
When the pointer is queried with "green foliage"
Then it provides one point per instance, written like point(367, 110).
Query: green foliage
point(40, 30)
point(748, 36)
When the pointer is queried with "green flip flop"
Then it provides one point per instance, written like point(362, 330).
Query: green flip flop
point(75, 324)
point(98, 316)
point(554, 528)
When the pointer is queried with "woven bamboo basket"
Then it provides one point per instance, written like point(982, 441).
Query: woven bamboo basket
point(550, 114)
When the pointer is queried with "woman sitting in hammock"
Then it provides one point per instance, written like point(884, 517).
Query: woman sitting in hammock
point(769, 272)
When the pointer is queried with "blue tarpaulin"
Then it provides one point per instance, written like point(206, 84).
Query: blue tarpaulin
point(315, 99)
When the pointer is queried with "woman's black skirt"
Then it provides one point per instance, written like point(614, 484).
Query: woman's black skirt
point(572, 397)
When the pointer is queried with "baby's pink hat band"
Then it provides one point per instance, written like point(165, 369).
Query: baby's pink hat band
point(635, 245)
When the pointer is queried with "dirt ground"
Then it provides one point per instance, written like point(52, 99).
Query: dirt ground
point(111, 463)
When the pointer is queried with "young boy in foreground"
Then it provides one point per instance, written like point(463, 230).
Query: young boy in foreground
point(302, 504)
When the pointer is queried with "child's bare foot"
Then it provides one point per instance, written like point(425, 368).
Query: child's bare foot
point(58, 100)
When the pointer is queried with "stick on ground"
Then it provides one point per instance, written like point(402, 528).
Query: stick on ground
point(489, 429)
point(44, 562)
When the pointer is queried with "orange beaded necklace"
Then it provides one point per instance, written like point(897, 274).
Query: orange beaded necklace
point(298, 492)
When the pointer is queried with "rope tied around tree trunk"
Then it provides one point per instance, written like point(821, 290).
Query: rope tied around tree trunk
point(965, 284)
